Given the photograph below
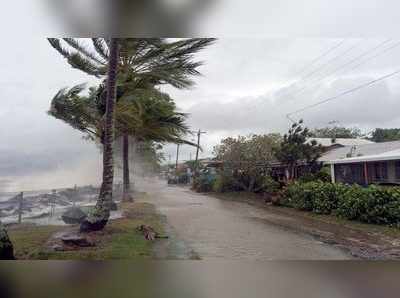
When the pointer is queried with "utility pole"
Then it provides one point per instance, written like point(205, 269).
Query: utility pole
point(177, 158)
point(20, 207)
point(197, 149)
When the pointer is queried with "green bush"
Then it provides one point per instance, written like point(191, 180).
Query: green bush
point(224, 183)
point(379, 205)
point(203, 183)
point(299, 196)
point(269, 185)
point(319, 176)
point(371, 204)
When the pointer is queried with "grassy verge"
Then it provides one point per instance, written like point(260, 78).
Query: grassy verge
point(119, 240)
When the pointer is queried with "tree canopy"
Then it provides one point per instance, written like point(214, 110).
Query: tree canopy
point(246, 157)
point(294, 148)
point(151, 115)
point(385, 135)
point(336, 132)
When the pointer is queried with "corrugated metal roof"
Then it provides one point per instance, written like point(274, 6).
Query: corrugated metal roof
point(360, 151)
point(391, 155)
point(326, 142)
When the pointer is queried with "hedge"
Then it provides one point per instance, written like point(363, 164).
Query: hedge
point(373, 204)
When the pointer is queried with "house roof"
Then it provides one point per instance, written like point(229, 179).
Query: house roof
point(327, 142)
point(391, 155)
point(373, 151)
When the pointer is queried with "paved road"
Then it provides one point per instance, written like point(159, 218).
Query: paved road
point(219, 229)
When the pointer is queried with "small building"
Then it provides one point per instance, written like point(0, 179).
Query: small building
point(377, 163)
point(280, 170)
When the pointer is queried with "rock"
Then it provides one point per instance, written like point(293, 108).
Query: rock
point(87, 226)
point(57, 247)
point(76, 240)
point(74, 215)
point(6, 247)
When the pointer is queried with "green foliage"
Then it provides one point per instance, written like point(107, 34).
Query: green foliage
point(380, 205)
point(373, 204)
point(294, 148)
point(224, 183)
point(385, 135)
point(269, 185)
point(154, 60)
point(318, 176)
point(336, 132)
point(203, 183)
point(247, 157)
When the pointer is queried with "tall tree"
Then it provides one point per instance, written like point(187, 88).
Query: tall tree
point(152, 61)
point(247, 158)
point(294, 149)
point(336, 132)
point(152, 116)
point(380, 135)
point(98, 218)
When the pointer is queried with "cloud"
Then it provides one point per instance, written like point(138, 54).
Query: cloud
point(246, 87)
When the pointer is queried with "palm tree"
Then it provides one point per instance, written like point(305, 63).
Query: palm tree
point(151, 116)
point(152, 61)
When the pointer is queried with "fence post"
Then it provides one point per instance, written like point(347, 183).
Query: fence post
point(21, 200)
point(52, 202)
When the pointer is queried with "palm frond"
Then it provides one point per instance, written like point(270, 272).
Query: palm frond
point(74, 43)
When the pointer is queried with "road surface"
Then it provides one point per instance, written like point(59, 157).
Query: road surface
point(220, 229)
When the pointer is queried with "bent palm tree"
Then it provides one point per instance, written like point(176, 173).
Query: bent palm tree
point(152, 61)
point(152, 116)
point(99, 216)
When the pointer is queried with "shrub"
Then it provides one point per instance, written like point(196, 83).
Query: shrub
point(298, 196)
point(319, 176)
point(372, 204)
point(224, 183)
point(269, 185)
point(203, 183)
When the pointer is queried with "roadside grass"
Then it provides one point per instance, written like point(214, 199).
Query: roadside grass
point(119, 240)
point(255, 199)
point(28, 239)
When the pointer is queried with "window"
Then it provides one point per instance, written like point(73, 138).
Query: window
point(381, 172)
point(397, 168)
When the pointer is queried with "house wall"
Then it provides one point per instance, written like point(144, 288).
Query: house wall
point(378, 172)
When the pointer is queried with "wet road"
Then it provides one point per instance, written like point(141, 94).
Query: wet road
point(219, 229)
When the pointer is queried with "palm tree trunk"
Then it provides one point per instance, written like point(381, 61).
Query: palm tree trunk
point(126, 192)
point(101, 213)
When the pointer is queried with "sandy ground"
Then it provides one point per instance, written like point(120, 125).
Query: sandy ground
point(217, 229)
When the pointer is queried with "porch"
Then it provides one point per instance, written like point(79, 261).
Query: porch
point(365, 170)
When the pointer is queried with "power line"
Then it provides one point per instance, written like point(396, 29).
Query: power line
point(376, 55)
point(334, 47)
point(333, 59)
point(321, 56)
point(346, 64)
point(342, 94)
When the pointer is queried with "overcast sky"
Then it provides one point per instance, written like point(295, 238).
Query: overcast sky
point(248, 86)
